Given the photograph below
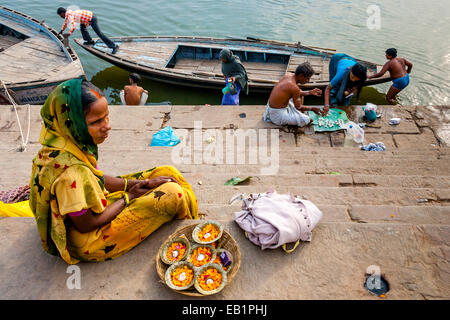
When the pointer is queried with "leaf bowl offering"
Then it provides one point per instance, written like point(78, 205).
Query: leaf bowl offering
point(201, 254)
point(175, 250)
point(210, 279)
point(180, 275)
point(207, 232)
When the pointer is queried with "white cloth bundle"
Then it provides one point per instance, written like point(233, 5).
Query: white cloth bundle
point(272, 220)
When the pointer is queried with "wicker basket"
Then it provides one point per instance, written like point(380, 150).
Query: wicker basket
point(200, 226)
point(227, 242)
point(167, 244)
point(203, 268)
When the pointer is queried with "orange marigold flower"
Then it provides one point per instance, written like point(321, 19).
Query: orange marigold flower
point(210, 279)
point(201, 256)
point(176, 251)
point(208, 233)
point(182, 276)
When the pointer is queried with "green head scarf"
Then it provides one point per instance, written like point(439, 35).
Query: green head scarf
point(233, 67)
point(66, 142)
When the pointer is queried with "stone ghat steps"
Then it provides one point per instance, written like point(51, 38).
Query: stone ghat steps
point(285, 160)
point(286, 154)
point(426, 172)
point(412, 258)
point(324, 180)
point(388, 214)
point(13, 179)
point(340, 196)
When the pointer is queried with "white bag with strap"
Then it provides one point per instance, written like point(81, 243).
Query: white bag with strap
point(271, 220)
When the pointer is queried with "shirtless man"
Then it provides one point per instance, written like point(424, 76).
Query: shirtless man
point(399, 74)
point(285, 105)
point(133, 92)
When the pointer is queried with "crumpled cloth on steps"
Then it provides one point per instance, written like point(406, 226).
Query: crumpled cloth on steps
point(273, 219)
point(15, 195)
point(379, 146)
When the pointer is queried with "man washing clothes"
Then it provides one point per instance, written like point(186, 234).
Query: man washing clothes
point(84, 18)
point(285, 105)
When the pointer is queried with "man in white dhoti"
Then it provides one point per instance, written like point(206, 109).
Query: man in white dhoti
point(285, 105)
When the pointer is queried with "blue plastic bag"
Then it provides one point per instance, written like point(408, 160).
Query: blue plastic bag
point(165, 138)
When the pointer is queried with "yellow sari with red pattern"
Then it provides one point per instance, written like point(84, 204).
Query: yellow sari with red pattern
point(65, 180)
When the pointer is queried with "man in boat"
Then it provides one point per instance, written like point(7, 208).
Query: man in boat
point(285, 105)
point(398, 72)
point(133, 95)
point(347, 77)
point(84, 18)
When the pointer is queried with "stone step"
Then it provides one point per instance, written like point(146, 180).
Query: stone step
point(351, 213)
point(12, 179)
point(222, 195)
point(11, 140)
point(412, 258)
point(296, 163)
point(435, 175)
point(128, 140)
point(325, 180)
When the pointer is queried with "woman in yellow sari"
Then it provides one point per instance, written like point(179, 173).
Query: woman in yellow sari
point(82, 214)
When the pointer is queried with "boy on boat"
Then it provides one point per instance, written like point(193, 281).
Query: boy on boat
point(285, 105)
point(399, 74)
point(84, 18)
point(133, 95)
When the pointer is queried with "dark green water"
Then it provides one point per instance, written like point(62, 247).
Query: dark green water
point(418, 29)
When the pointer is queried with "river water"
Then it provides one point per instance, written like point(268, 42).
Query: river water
point(418, 29)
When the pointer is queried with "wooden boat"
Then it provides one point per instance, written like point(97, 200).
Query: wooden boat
point(194, 61)
point(33, 58)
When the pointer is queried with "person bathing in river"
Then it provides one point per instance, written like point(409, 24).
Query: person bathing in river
point(84, 18)
point(347, 78)
point(233, 71)
point(398, 72)
point(285, 105)
point(81, 213)
point(133, 95)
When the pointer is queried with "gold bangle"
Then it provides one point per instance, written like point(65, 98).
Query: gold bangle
point(126, 199)
point(126, 185)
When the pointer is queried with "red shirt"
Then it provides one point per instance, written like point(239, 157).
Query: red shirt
point(77, 16)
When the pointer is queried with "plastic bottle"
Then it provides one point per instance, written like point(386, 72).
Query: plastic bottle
point(353, 132)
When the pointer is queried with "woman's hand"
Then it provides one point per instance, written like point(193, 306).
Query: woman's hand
point(156, 182)
point(138, 189)
point(141, 187)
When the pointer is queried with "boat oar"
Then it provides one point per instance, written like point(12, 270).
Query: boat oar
point(298, 44)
